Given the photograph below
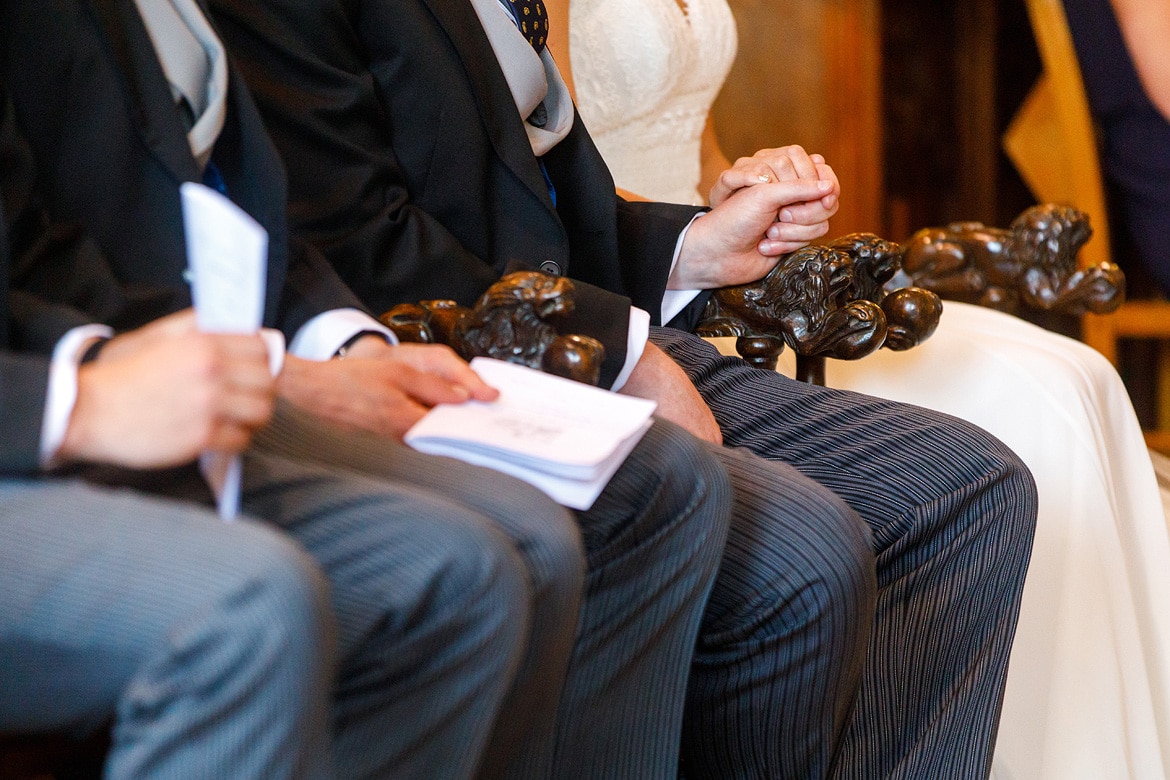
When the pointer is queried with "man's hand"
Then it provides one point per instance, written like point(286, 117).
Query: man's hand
point(160, 395)
point(660, 379)
point(741, 240)
point(779, 220)
point(382, 388)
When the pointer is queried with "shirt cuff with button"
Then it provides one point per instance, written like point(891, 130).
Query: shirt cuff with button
point(320, 337)
point(674, 301)
point(62, 391)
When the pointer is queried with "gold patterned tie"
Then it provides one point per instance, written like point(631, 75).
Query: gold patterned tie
point(532, 20)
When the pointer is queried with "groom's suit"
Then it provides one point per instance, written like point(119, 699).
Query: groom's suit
point(111, 156)
point(447, 116)
point(411, 169)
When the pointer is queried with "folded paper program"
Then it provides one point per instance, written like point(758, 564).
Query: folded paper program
point(564, 437)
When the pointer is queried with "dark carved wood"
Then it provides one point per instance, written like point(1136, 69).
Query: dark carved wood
point(824, 301)
point(515, 320)
point(1034, 263)
point(843, 300)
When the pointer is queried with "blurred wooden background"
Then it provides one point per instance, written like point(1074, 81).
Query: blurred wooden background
point(906, 98)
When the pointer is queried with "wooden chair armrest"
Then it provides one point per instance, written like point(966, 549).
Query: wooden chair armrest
point(824, 301)
point(517, 319)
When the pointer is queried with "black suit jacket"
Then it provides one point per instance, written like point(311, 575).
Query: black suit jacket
point(110, 155)
point(23, 385)
point(409, 165)
point(29, 326)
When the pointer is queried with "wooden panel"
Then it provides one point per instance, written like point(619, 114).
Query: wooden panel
point(809, 72)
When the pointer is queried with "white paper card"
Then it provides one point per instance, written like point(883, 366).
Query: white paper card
point(227, 262)
point(564, 437)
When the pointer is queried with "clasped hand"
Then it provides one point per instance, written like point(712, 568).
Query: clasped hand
point(764, 206)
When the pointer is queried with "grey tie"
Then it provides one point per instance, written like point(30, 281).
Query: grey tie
point(192, 60)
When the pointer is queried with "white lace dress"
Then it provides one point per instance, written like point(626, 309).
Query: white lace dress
point(1088, 692)
point(645, 83)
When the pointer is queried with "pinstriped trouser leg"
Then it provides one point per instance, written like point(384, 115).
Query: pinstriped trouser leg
point(951, 512)
point(432, 607)
point(783, 641)
point(652, 540)
point(211, 644)
point(544, 535)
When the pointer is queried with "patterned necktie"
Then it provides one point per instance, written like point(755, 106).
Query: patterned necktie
point(532, 20)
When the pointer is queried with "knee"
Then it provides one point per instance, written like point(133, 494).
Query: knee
point(837, 563)
point(673, 477)
point(286, 598)
point(484, 587)
point(799, 560)
point(1007, 496)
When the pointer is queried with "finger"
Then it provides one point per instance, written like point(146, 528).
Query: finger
point(801, 162)
point(425, 387)
point(772, 247)
point(788, 193)
point(245, 353)
point(403, 420)
point(229, 438)
point(248, 409)
point(783, 231)
point(734, 179)
point(826, 173)
point(443, 362)
point(808, 213)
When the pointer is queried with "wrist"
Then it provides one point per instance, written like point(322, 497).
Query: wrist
point(77, 443)
point(363, 344)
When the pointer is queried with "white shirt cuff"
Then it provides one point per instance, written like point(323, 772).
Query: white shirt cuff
point(636, 338)
point(62, 392)
point(274, 343)
point(322, 336)
point(674, 301)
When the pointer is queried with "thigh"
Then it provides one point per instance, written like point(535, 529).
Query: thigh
point(392, 552)
point(541, 528)
point(889, 461)
point(91, 582)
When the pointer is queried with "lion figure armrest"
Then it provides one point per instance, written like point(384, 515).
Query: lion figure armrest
point(517, 319)
point(1033, 263)
point(824, 301)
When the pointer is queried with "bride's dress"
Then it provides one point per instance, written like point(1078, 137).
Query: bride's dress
point(645, 84)
point(1088, 692)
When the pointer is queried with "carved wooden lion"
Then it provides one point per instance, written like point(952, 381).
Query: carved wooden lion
point(1033, 261)
point(514, 320)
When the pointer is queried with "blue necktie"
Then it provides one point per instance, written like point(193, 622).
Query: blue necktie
point(532, 20)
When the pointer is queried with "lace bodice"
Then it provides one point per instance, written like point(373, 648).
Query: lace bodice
point(647, 73)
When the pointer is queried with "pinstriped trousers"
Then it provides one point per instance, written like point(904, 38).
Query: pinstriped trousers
point(432, 612)
point(601, 696)
point(212, 644)
point(948, 512)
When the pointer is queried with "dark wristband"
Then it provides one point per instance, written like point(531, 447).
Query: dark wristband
point(344, 349)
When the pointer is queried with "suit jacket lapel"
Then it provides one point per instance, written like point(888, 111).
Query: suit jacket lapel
point(492, 94)
point(148, 92)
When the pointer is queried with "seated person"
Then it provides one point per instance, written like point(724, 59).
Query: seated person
point(412, 545)
point(431, 146)
point(1120, 45)
point(210, 646)
point(1095, 620)
point(213, 647)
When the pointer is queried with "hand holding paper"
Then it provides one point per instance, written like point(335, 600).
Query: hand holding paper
point(227, 254)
